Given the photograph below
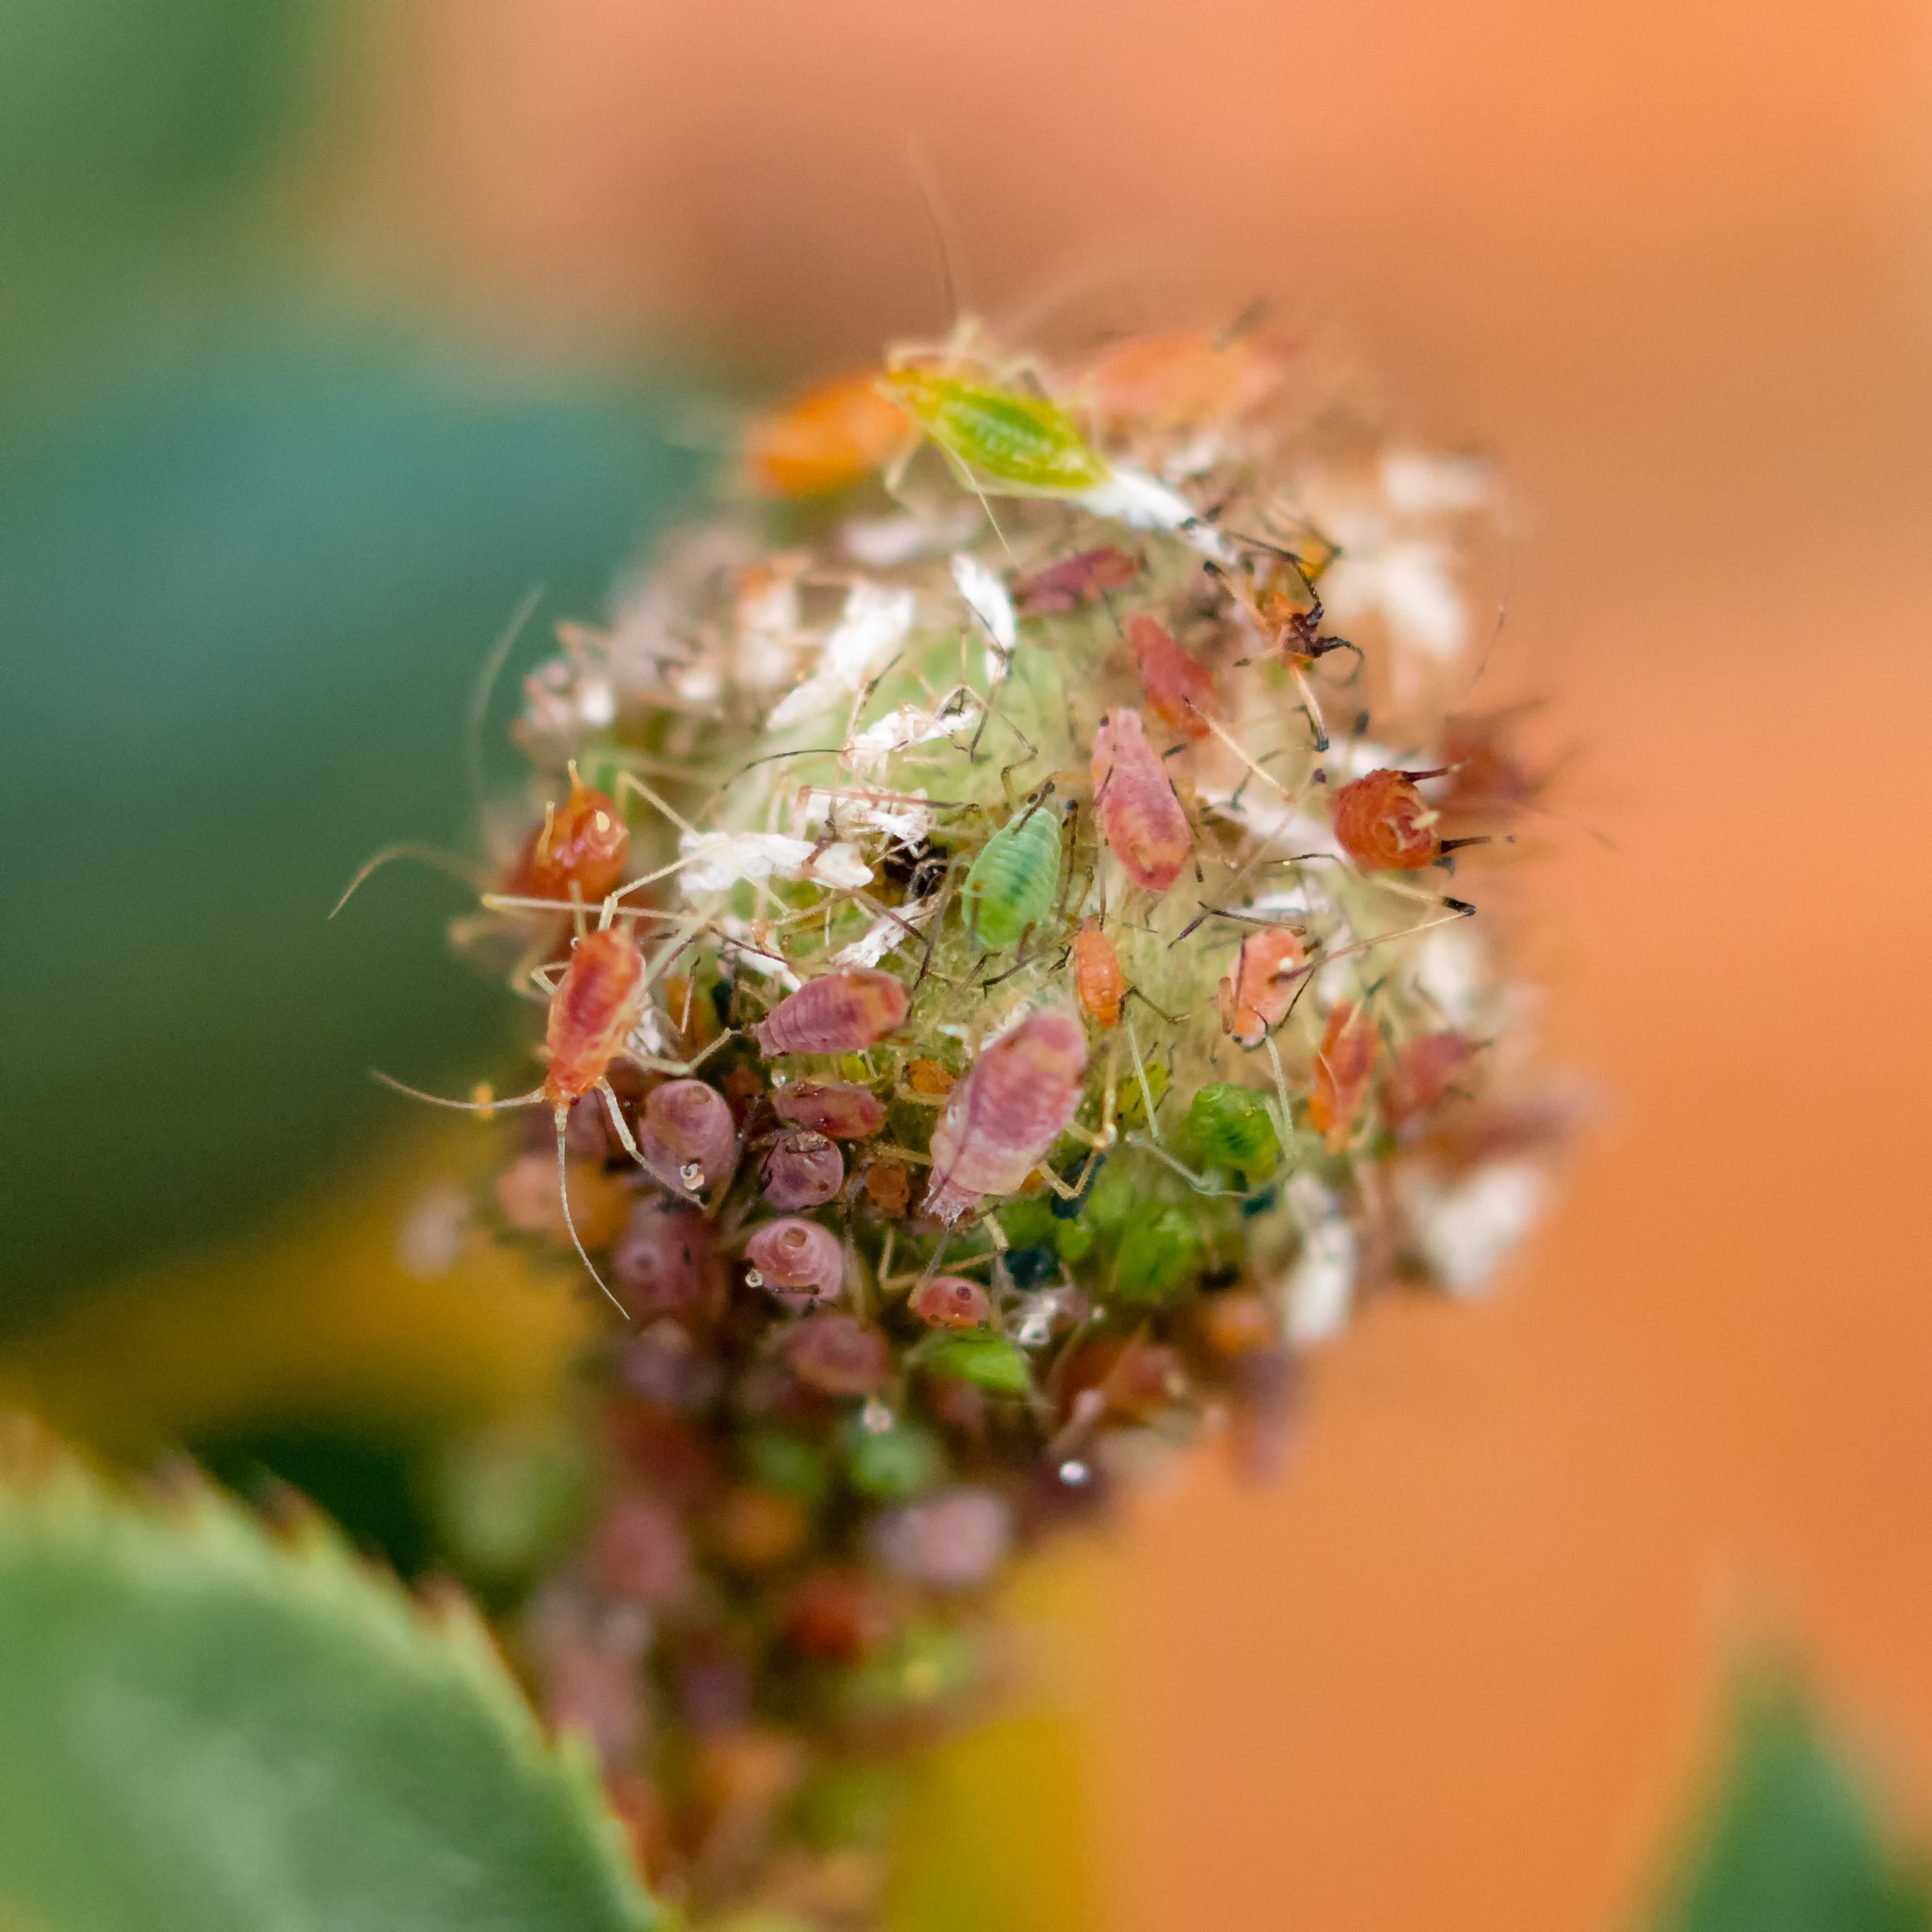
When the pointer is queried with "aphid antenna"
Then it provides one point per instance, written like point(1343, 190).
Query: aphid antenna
point(629, 781)
point(1140, 1073)
point(534, 1097)
point(458, 867)
point(1197, 1182)
point(483, 688)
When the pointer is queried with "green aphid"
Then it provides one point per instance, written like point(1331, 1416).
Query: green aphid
point(1000, 436)
point(1233, 1128)
point(1013, 882)
point(1160, 1253)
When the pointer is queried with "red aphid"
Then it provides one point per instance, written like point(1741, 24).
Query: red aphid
point(952, 1302)
point(1141, 818)
point(1098, 980)
point(1074, 580)
point(1254, 996)
point(1003, 1118)
point(1424, 1071)
point(1343, 1063)
point(1180, 689)
point(1384, 823)
point(844, 1012)
point(597, 1004)
point(841, 1108)
point(583, 843)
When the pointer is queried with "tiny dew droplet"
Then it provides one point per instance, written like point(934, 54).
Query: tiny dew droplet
point(874, 1418)
point(691, 1174)
point(1074, 1474)
point(753, 1279)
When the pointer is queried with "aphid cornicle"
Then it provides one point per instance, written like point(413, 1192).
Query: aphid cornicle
point(999, 437)
point(1140, 817)
point(1001, 1121)
point(1099, 984)
point(843, 1011)
point(1254, 996)
point(583, 843)
point(1232, 1128)
point(1343, 1064)
point(1011, 885)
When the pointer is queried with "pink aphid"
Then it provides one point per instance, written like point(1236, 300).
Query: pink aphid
point(839, 1108)
point(1179, 688)
point(838, 1355)
point(1003, 1118)
point(803, 1169)
point(1073, 581)
point(687, 1135)
point(952, 1302)
point(1254, 996)
point(667, 1263)
point(797, 1257)
point(1140, 817)
point(842, 1013)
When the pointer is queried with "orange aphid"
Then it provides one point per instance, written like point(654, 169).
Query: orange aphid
point(927, 1076)
point(1343, 1064)
point(1098, 980)
point(1180, 689)
point(830, 436)
point(1384, 823)
point(583, 843)
point(596, 1004)
point(1177, 379)
point(1141, 818)
point(1424, 1071)
point(1254, 996)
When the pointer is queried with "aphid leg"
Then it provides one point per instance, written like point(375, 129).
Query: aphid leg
point(679, 1070)
point(1199, 1183)
point(563, 1195)
point(1287, 1115)
point(1309, 703)
point(1140, 1072)
point(467, 870)
point(619, 1126)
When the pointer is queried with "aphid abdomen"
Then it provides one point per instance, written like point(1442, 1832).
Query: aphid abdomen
point(592, 1013)
point(1384, 823)
point(1254, 996)
point(1074, 581)
point(844, 1012)
point(1026, 442)
point(1232, 1128)
point(1140, 817)
point(1098, 980)
point(1012, 883)
point(1179, 690)
point(1002, 1120)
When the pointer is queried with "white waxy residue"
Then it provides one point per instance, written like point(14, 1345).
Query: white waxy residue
point(875, 622)
point(1468, 1226)
point(721, 859)
point(1320, 1286)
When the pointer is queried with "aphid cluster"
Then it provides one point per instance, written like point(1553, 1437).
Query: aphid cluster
point(998, 1018)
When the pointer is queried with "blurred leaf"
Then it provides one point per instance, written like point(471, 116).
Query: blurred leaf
point(1791, 1843)
point(203, 1728)
point(243, 608)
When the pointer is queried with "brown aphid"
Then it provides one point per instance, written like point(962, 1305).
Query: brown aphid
point(1140, 817)
point(1424, 1071)
point(952, 1302)
point(1001, 1121)
point(929, 1077)
point(1182, 379)
point(844, 1012)
point(1384, 823)
point(1487, 779)
point(1254, 996)
point(527, 1195)
point(803, 1169)
point(1136, 1379)
point(1073, 581)
point(583, 843)
point(841, 1108)
point(888, 1187)
point(825, 440)
point(667, 1263)
point(1098, 980)
point(1343, 1063)
point(1179, 688)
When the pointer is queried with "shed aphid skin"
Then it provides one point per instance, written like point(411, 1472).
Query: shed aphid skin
point(1000, 1038)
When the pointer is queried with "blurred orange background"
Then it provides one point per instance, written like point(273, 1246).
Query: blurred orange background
point(1673, 266)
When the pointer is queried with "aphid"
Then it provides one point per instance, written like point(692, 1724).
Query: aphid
point(1424, 1071)
point(929, 1077)
point(1343, 1063)
point(596, 1004)
point(797, 1256)
point(1254, 996)
point(1001, 1121)
point(582, 843)
point(836, 1615)
point(888, 1187)
point(997, 435)
point(1276, 589)
point(831, 436)
point(668, 1261)
point(687, 1135)
point(1141, 818)
point(1385, 825)
point(841, 1108)
point(1011, 885)
point(1180, 689)
point(1098, 981)
point(952, 1302)
point(1487, 779)
point(1232, 1128)
point(803, 1169)
point(843, 1011)
point(1177, 381)
point(1081, 578)
point(838, 1355)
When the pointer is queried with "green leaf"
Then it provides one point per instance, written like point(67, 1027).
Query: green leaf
point(203, 1728)
point(1790, 1842)
point(990, 1361)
